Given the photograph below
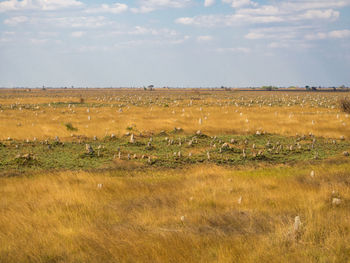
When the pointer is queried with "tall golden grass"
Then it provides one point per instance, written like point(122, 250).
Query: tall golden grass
point(136, 216)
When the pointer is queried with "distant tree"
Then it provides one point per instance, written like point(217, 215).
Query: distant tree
point(269, 88)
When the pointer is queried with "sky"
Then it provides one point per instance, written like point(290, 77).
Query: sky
point(175, 43)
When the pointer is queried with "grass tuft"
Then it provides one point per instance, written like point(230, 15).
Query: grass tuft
point(70, 127)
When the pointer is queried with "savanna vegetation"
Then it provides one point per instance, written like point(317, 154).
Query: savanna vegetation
point(174, 176)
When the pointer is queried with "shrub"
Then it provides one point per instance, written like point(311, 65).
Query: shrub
point(345, 105)
point(70, 127)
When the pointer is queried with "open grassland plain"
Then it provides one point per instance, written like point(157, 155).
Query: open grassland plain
point(122, 175)
point(43, 114)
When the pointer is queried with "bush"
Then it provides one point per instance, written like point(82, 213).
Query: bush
point(70, 127)
point(269, 88)
point(345, 105)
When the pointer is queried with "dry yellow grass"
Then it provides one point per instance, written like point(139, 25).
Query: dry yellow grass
point(190, 214)
point(217, 110)
point(136, 217)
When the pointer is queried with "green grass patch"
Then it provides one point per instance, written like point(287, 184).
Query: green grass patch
point(173, 152)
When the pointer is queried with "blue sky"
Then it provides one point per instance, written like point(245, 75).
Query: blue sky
point(186, 43)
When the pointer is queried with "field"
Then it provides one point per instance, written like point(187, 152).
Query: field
point(183, 175)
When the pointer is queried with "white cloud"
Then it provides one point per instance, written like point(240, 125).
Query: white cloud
point(52, 21)
point(208, 3)
point(313, 4)
point(240, 3)
point(14, 21)
point(319, 14)
point(16, 5)
point(140, 30)
point(291, 44)
point(254, 35)
point(263, 15)
point(339, 33)
point(227, 20)
point(75, 21)
point(287, 7)
point(315, 36)
point(115, 8)
point(185, 20)
point(266, 10)
point(250, 12)
point(77, 34)
point(204, 38)
point(326, 35)
point(281, 32)
point(146, 6)
point(203, 20)
point(142, 9)
point(279, 45)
